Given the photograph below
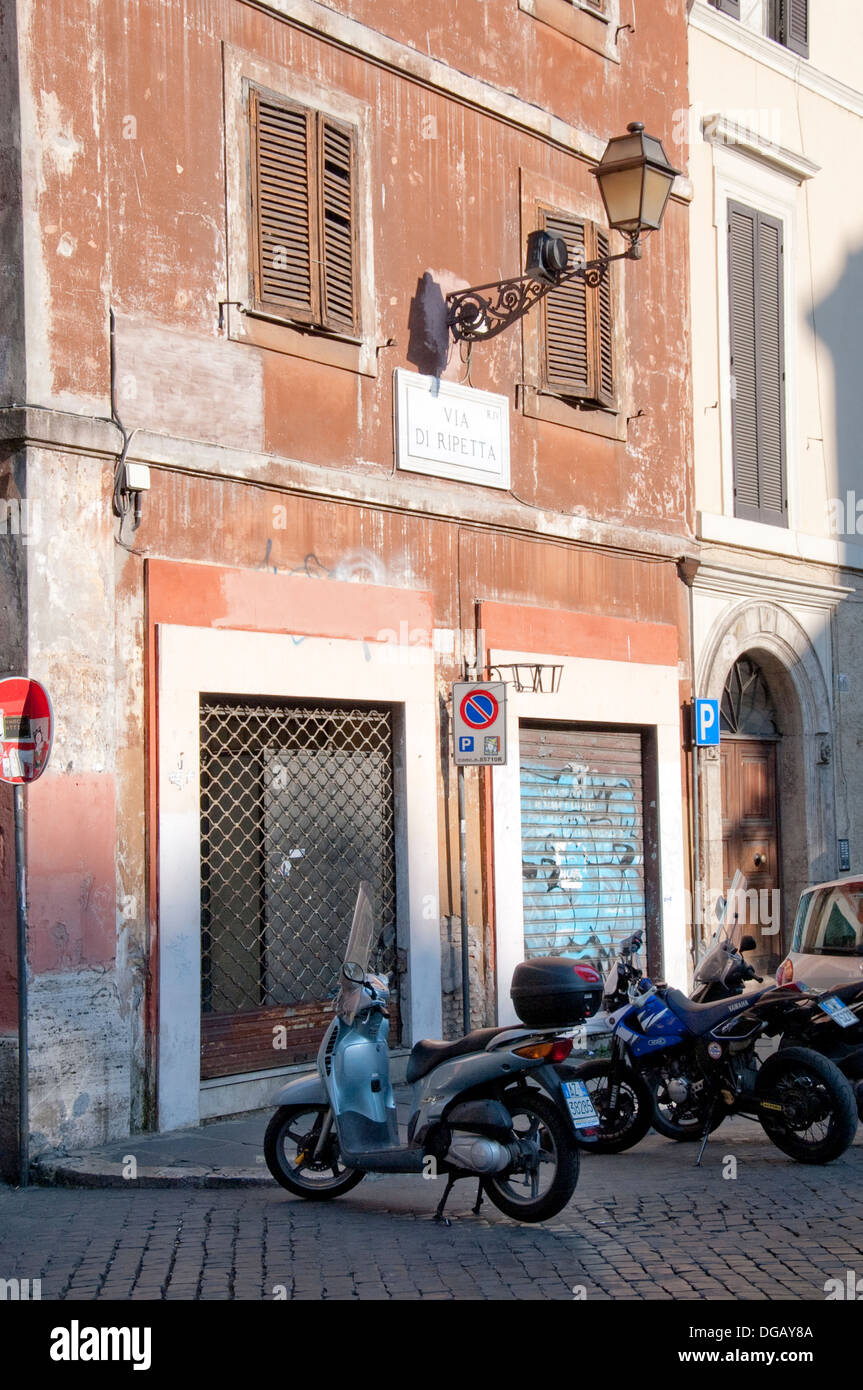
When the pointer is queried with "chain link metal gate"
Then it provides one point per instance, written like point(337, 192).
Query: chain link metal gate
point(296, 808)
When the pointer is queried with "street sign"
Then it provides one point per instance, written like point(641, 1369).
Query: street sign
point(706, 723)
point(479, 723)
point(26, 729)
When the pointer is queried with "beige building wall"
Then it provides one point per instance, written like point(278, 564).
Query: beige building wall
point(782, 133)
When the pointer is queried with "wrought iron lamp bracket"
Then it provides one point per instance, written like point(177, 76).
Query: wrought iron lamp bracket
point(483, 311)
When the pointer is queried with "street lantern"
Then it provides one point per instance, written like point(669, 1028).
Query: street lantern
point(635, 180)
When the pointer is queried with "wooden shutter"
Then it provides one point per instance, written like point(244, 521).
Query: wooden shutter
point(604, 304)
point(304, 214)
point(755, 273)
point(729, 7)
point(338, 225)
point(285, 235)
point(568, 348)
point(791, 25)
point(578, 323)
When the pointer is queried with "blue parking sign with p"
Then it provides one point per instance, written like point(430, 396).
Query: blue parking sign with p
point(706, 723)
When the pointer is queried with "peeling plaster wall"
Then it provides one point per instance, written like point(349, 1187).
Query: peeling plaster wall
point(79, 1061)
point(269, 455)
point(79, 1022)
point(12, 377)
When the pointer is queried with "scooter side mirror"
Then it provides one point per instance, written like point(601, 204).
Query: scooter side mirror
point(354, 972)
point(748, 943)
point(719, 907)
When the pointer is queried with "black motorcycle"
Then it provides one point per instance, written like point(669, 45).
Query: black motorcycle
point(814, 1023)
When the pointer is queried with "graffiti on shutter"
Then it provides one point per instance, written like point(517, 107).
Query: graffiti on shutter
point(582, 840)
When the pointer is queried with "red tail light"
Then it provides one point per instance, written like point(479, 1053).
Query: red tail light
point(587, 972)
point(785, 973)
point(561, 1050)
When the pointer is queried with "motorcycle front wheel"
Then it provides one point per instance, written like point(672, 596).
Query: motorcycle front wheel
point(631, 1119)
point(808, 1109)
point(289, 1149)
point(543, 1182)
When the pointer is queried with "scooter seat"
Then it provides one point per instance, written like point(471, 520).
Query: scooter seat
point(699, 1018)
point(425, 1054)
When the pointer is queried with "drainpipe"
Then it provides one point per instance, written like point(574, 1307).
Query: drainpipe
point(688, 569)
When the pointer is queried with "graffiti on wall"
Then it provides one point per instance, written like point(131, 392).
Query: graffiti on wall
point(582, 864)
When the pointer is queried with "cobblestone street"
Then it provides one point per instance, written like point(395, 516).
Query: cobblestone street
point(642, 1225)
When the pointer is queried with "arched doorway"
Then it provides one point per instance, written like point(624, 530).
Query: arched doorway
point(750, 778)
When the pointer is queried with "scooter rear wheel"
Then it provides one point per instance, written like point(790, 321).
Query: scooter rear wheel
point(542, 1187)
point(289, 1145)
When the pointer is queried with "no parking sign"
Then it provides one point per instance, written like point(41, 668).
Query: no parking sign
point(479, 723)
point(26, 729)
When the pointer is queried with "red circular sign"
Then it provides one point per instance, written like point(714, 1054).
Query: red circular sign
point(479, 709)
point(26, 729)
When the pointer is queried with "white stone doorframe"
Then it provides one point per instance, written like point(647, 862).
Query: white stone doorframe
point(592, 692)
point(193, 661)
point(775, 639)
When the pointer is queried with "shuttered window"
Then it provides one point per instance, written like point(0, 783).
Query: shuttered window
point(729, 7)
point(303, 215)
point(578, 322)
point(755, 273)
point(789, 24)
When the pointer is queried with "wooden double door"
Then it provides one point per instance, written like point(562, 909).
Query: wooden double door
point(750, 839)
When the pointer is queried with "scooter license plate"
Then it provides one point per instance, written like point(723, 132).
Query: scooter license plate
point(580, 1106)
point(846, 1018)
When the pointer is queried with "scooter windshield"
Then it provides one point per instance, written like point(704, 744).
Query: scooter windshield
point(728, 935)
point(358, 951)
point(359, 948)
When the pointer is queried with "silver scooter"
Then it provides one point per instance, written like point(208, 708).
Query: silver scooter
point(473, 1112)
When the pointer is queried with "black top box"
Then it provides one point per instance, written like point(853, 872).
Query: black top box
point(554, 992)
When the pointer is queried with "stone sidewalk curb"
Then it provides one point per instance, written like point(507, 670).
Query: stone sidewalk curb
point(83, 1172)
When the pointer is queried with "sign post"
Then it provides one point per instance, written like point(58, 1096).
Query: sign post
point(26, 735)
point(479, 740)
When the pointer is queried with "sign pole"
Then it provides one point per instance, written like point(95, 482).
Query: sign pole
point(26, 737)
point(23, 1050)
point(465, 934)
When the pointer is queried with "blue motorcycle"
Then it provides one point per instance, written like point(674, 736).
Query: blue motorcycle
point(804, 1104)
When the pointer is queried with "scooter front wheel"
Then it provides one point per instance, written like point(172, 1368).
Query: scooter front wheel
point(290, 1143)
point(545, 1179)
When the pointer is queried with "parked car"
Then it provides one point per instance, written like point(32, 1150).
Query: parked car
point(827, 941)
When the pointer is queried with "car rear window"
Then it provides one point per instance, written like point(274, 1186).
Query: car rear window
point(833, 925)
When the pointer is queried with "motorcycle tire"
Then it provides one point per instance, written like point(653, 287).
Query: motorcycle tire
point(635, 1113)
point(682, 1131)
point(517, 1194)
point(298, 1126)
point(812, 1092)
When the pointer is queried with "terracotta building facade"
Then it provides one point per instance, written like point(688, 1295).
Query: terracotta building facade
point(269, 511)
